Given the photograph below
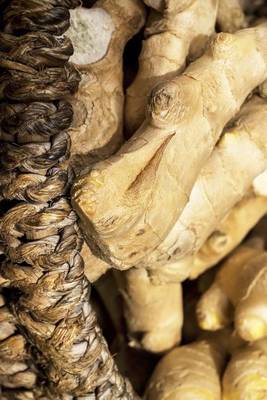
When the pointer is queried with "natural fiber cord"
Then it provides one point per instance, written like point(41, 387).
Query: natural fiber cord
point(39, 233)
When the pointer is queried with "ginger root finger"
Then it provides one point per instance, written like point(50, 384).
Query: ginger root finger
point(153, 313)
point(99, 35)
point(168, 38)
point(245, 376)
point(129, 203)
point(227, 235)
point(188, 372)
point(223, 182)
point(214, 306)
point(214, 310)
point(242, 280)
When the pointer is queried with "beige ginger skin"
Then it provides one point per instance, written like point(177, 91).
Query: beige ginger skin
point(153, 313)
point(214, 194)
point(99, 35)
point(148, 293)
point(188, 372)
point(179, 29)
point(238, 293)
point(245, 377)
point(130, 203)
point(227, 235)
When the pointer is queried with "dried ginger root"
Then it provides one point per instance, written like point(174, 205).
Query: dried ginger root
point(218, 189)
point(245, 377)
point(153, 313)
point(169, 38)
point(189, 372)
point(225, 238)
point(146, 337)
point(129, 204)
point(251, 125)
point(99, 35)
point(238, 293)
point(179, 29)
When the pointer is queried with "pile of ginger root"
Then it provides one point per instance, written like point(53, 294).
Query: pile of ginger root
point(169, 147)
point(169, 152)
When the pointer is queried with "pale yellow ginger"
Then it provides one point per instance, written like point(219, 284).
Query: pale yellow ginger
point(99, 35)
point(130, 204)
point(226, 237)
point(245, 377)
point(153, 313)
point(179, 29)
point(206, 209)
point(223, 182)
point(189, 372)
point(238, 293)
point(228, 234)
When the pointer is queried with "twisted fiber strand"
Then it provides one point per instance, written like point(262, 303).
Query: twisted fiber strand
point(17, 374)
point(39, 230)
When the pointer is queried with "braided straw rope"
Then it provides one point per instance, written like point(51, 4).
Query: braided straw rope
point(17, 374)
point(39, 232)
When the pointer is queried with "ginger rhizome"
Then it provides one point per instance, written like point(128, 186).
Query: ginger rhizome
point(99, 35)
point(245, 376)
point(153, 313)
point(129, 204)
point(228, 234)
point(238, 293)
point(214, 194)
point(189, 372)
point(170, 35)
point(198, 230)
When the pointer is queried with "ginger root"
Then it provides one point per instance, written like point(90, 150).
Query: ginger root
point(245, 376)
point(188, 372)
point(238, 293)
point(129, 204)
point(218, 189)
point(227, 235)
point(99, 35)
point(153, 313)
point(169, 37)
